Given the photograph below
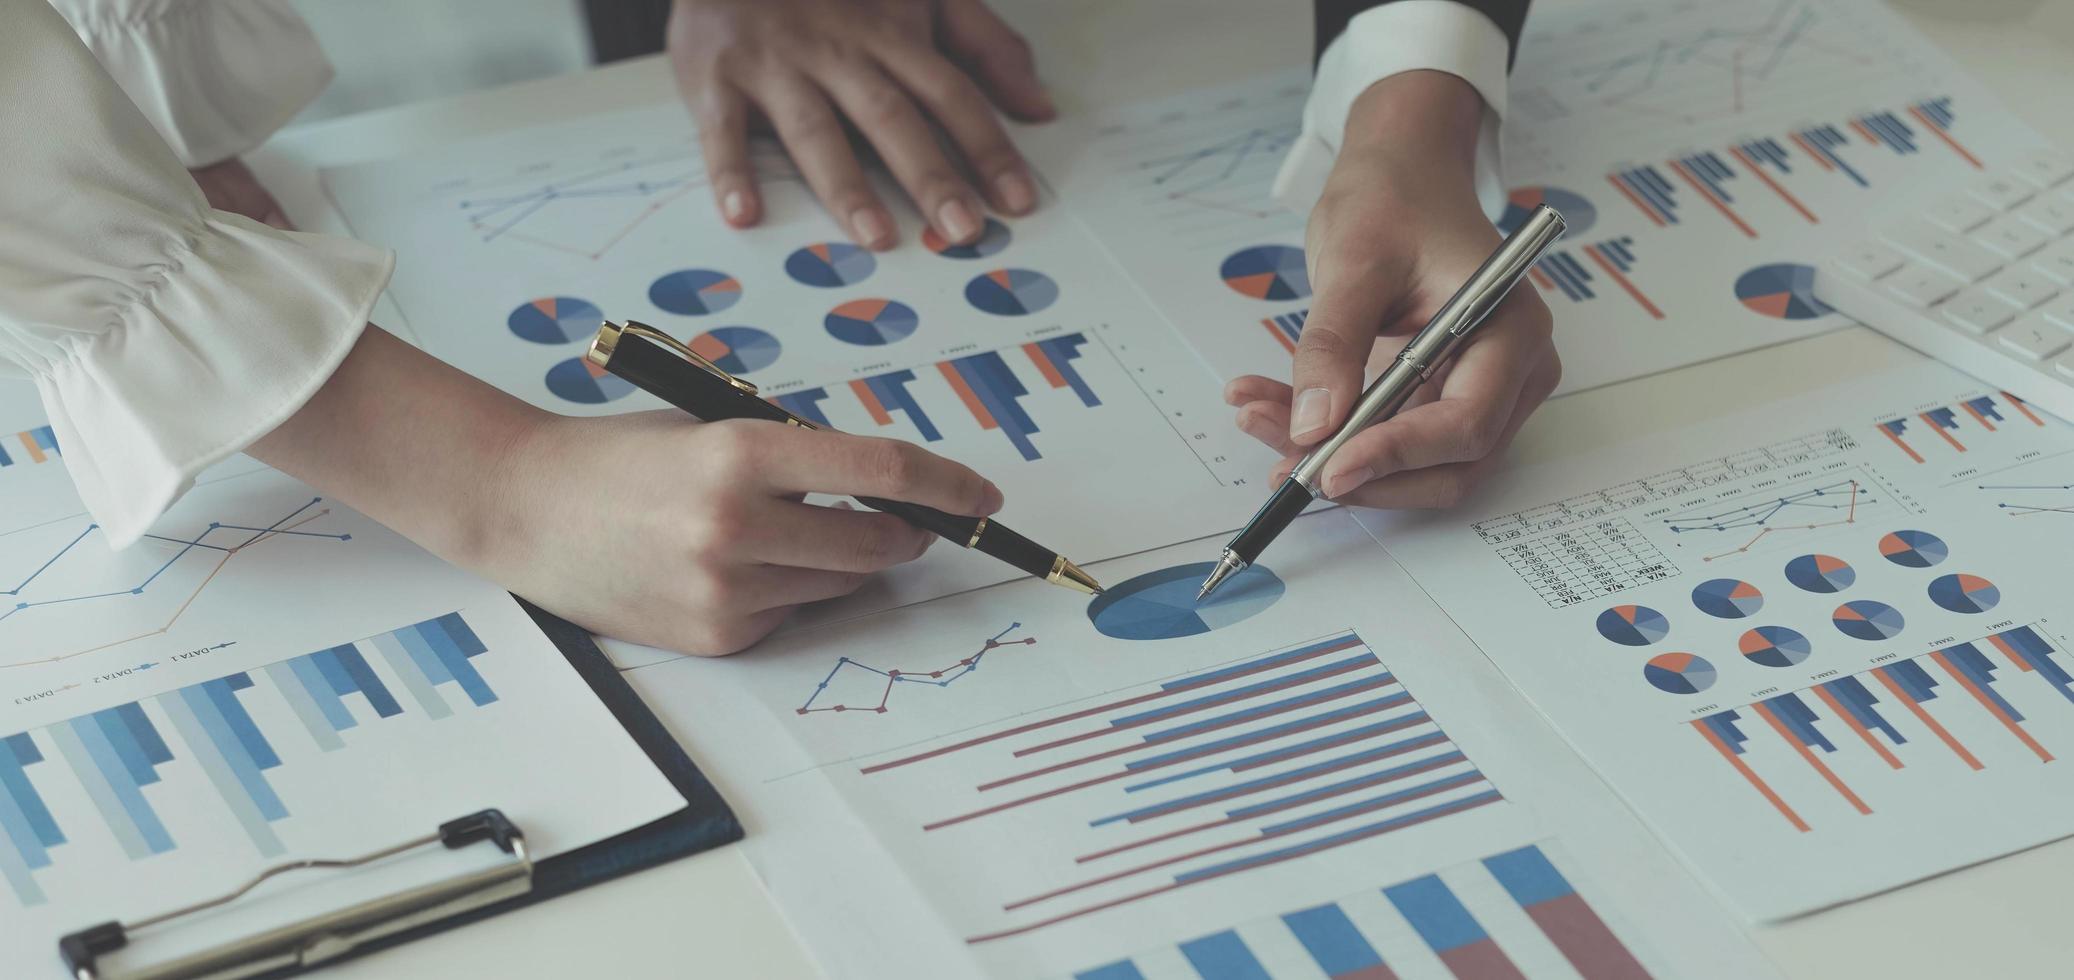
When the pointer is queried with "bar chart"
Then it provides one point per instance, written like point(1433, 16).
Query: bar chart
point(1946, 430)
point(29, 446)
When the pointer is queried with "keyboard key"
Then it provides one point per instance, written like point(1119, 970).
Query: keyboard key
point(2060, 311)
point(2022, 286)
point(1959, 213)
point(2000, 193)
point(2065, 366)
point(2011, 237)
point(1921, 286)
point(2050, 212)
point(2035, 341)
point(1871, 259)
point(2044, 168)
point(2056, 262)
point(1952, 253)
point(1978, 311)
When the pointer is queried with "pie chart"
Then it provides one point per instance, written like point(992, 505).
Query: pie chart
point(737, 350)
point(1964, 593)
point(695, 292)
point(1161, 605)
point(1578, 213)
point(1727, 598)
point(1868, 620)
point(555, 320)
point(1268, 272)
point(1633, 626)
point(1820, 573)
point(580, 381)
point(1679, 673)
point(1774, 646)
point(991, 240)
point(871, 322)
point(830, 265)
point(1783, 291)
point(1012, 292)
point(1914, 549)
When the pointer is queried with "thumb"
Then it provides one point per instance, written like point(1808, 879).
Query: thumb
point(1347, 312)
point(995, 56)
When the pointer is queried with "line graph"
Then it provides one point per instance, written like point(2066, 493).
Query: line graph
point(1837, 501)
point(1716, 69)
point(891, 676)
point(2023, 504)
point(658, 181)
point(27, 600)
point(1192, 176)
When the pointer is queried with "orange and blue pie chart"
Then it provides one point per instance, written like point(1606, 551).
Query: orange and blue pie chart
point(1727, 598)
point(1821, 573)
point(1781, 291)
point(578, 380)
point(871, 322)
point(737, 350)
point(1633, 626)
point(991, 241)
point(1679, 673)
point(1161, 605)
point(1964, 593)
point(1865, 619)
point(1774, 646)
point(1578, 213)
point(1914, 549)
point(695, 292)
point(1012, 292)
point(831, 265)
point(1267, 272)
point(556, 320)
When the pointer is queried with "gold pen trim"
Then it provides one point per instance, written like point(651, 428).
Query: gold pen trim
point(607, 341)
point(1065, 573)
point(979, 529)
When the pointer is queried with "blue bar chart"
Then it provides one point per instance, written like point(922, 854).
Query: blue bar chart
point(29, 446)
point(26, 821)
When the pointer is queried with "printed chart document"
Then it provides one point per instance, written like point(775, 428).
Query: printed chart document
point(1311, 774)
point(1704, 154)
point(1026, 355)
point(1821, 645)
point(268, 676)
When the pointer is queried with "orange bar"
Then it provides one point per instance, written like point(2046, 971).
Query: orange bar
point(1541, 278)
point(2003, 645)
point(1924, 118)
point(871, 402)
point(1774, 185)
point(1814, 154)
point(1940, 430)
point(1977, 417)
point(979, 411)
point(1864, 131)
point(1928, 722)
point(1993, 708)
point(1614, 179)
point(1889, 433)
point(1863, 732)
point(29, 443)
point(2021, 407)
point(1622, 281)
point(1044, 365)
point(1719, 204)
point(1751, 775)
point(1280, 337)
point(1809, 755)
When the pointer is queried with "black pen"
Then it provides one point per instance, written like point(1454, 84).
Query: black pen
point(659, 364)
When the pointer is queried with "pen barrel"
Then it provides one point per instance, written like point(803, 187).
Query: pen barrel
point(1274, 517)
point(673, 379)
point(957, 530)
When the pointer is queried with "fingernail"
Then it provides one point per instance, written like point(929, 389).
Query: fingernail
point(1308, 414)
point(990, 499)
point(872, 227)
point(1348, 482)
point(1017, 192)
point(735, 205)
point(957, 221)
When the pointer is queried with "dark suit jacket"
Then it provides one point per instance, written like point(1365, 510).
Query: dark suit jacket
point(1332, 17)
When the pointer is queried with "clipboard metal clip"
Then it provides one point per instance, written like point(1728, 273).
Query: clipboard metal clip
point(599, 353)
point(316, 939)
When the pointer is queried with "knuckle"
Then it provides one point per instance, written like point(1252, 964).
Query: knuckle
point(881, 105)
point(895, 466)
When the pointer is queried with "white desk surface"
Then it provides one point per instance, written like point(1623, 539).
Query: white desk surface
point(708, 915)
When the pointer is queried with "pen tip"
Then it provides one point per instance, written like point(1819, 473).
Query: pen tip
point(1065, 573)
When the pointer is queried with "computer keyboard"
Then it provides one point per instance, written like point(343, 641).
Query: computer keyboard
point(1982, 280)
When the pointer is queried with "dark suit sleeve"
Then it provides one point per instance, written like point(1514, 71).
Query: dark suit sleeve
point(1332, 17)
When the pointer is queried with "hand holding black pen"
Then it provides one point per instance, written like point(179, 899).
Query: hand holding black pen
point(657, 363)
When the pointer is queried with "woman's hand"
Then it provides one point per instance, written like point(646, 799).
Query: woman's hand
point(1397, 231)
point(896, 70)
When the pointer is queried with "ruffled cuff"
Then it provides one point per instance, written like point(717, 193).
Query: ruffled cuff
point(215, 78)
point(235, 334)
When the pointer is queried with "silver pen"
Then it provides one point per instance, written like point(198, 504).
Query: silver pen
point(1441, 338)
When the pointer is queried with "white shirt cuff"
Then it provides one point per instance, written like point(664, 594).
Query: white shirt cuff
point(1409, 35)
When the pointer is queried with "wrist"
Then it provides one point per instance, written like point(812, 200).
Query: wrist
point(1426, 119)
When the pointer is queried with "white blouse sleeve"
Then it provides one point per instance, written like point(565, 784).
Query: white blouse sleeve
point(163, 336)
point(215, 77)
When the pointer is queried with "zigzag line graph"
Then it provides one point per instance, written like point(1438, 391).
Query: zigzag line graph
point(940, 677)
point(2018, 509)
point(1190, 176)
point(1840, 496)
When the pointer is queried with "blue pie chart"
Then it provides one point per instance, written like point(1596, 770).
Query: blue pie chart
point(991, 241)
point(578, 380)
point(831, 265)
point(695, 292)
point(737, 350)
point(1727, 598)
point(1774, 646)
point(1821, 573)
point(1964, 593)
point(1633, 626)
point(556, 320)
point(1782, 291)
point(871, 322)
point(1274, 272)
point(1161, 605)
point(1679, 673)
point(1914, 549)
point(1865, 619)
point(1012, 292)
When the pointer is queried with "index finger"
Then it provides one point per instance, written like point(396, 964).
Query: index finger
point(794, 460)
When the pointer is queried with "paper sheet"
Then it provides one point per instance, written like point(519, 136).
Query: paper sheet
point(1821, 645)
point(1316, 764)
